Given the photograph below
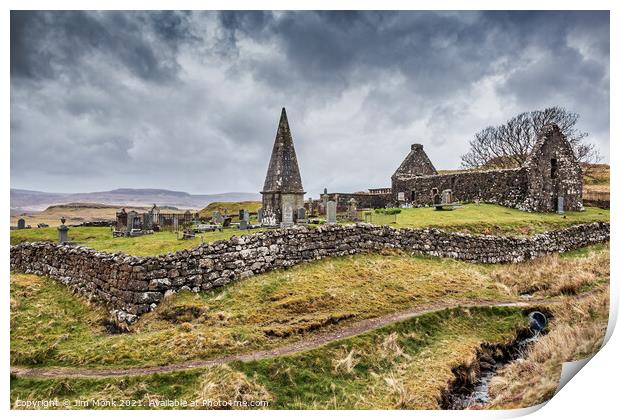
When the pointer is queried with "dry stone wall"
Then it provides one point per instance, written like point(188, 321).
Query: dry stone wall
point(131, 286)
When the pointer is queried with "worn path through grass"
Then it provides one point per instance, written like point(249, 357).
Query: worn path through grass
point(299, 346)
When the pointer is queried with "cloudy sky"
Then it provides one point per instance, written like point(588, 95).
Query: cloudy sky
point(191, 101)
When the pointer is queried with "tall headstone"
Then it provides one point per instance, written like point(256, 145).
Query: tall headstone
point(243, 224)
point(331, 212)
point(352, 210)
point(260, 215)
point(325, 200)
point(21, 224)
point(63, 232)
point(301, 213)
point(560, 205)
point(287, 215)
point(131, 220)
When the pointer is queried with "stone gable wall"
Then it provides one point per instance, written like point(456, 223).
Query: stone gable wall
point(131, 286)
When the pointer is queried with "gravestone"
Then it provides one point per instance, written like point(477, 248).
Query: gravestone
point(217, 217)
point(301, 214)
point(310, 207)
point(246, 215)
point(259, 215)
point(131, 220)
point(446, 197)
point(560, 205)
point(287, 216)
point(325, 199)
point(63, 232)
point(243, 224)
point(352, 210)
point(331, 212)
point(21, 224)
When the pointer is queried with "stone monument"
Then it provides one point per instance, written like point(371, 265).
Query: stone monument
point(283, 192)
point(331, 212)
point(63, 232)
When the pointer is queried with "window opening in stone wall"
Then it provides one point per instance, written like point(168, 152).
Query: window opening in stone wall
point(554, 168)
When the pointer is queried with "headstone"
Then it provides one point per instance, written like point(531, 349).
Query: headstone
point(310, 207)
point(352, 209)
point(401, 196)
point(287, 215)
point(217, 217)
point(301, 214)
point(21, 224)
point(63, 232)
point(243, 224)
point(560, 205)
point(260, 215)
point(131, 220)
point(331, 212)
point(446, 197)
point(246, 215)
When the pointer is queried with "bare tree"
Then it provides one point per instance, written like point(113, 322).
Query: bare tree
point(509, 144)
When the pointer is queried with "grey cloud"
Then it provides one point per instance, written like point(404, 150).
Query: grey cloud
point(190, 100)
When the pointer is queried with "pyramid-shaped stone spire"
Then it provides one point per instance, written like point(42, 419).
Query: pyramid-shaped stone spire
point(416, 163)
point(283, 173)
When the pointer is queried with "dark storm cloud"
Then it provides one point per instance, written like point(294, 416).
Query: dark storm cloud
point(47, 44)
point(190, 100)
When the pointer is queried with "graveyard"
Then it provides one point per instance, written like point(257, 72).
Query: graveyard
point(472, 218)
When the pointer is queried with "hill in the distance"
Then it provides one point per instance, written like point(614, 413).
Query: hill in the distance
point(26, 200)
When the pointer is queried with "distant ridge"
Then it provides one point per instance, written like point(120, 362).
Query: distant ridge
point(27, 200)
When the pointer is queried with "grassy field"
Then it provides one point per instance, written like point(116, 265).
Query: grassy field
point(597, 178)
point(50, 327)
point(403, 365)
point(100, 238)
point(489, 219)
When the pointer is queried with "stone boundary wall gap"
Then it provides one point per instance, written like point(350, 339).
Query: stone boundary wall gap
point(130, 286)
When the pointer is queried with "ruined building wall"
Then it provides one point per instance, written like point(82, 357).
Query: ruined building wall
point(131, 286)
point(553, 172)
point(506, 187)
point(364, 200)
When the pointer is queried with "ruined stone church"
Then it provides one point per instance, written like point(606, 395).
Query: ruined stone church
point(283, 193)
point(549, 180)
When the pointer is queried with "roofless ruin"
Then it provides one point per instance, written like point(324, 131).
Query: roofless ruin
point(549, 180)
